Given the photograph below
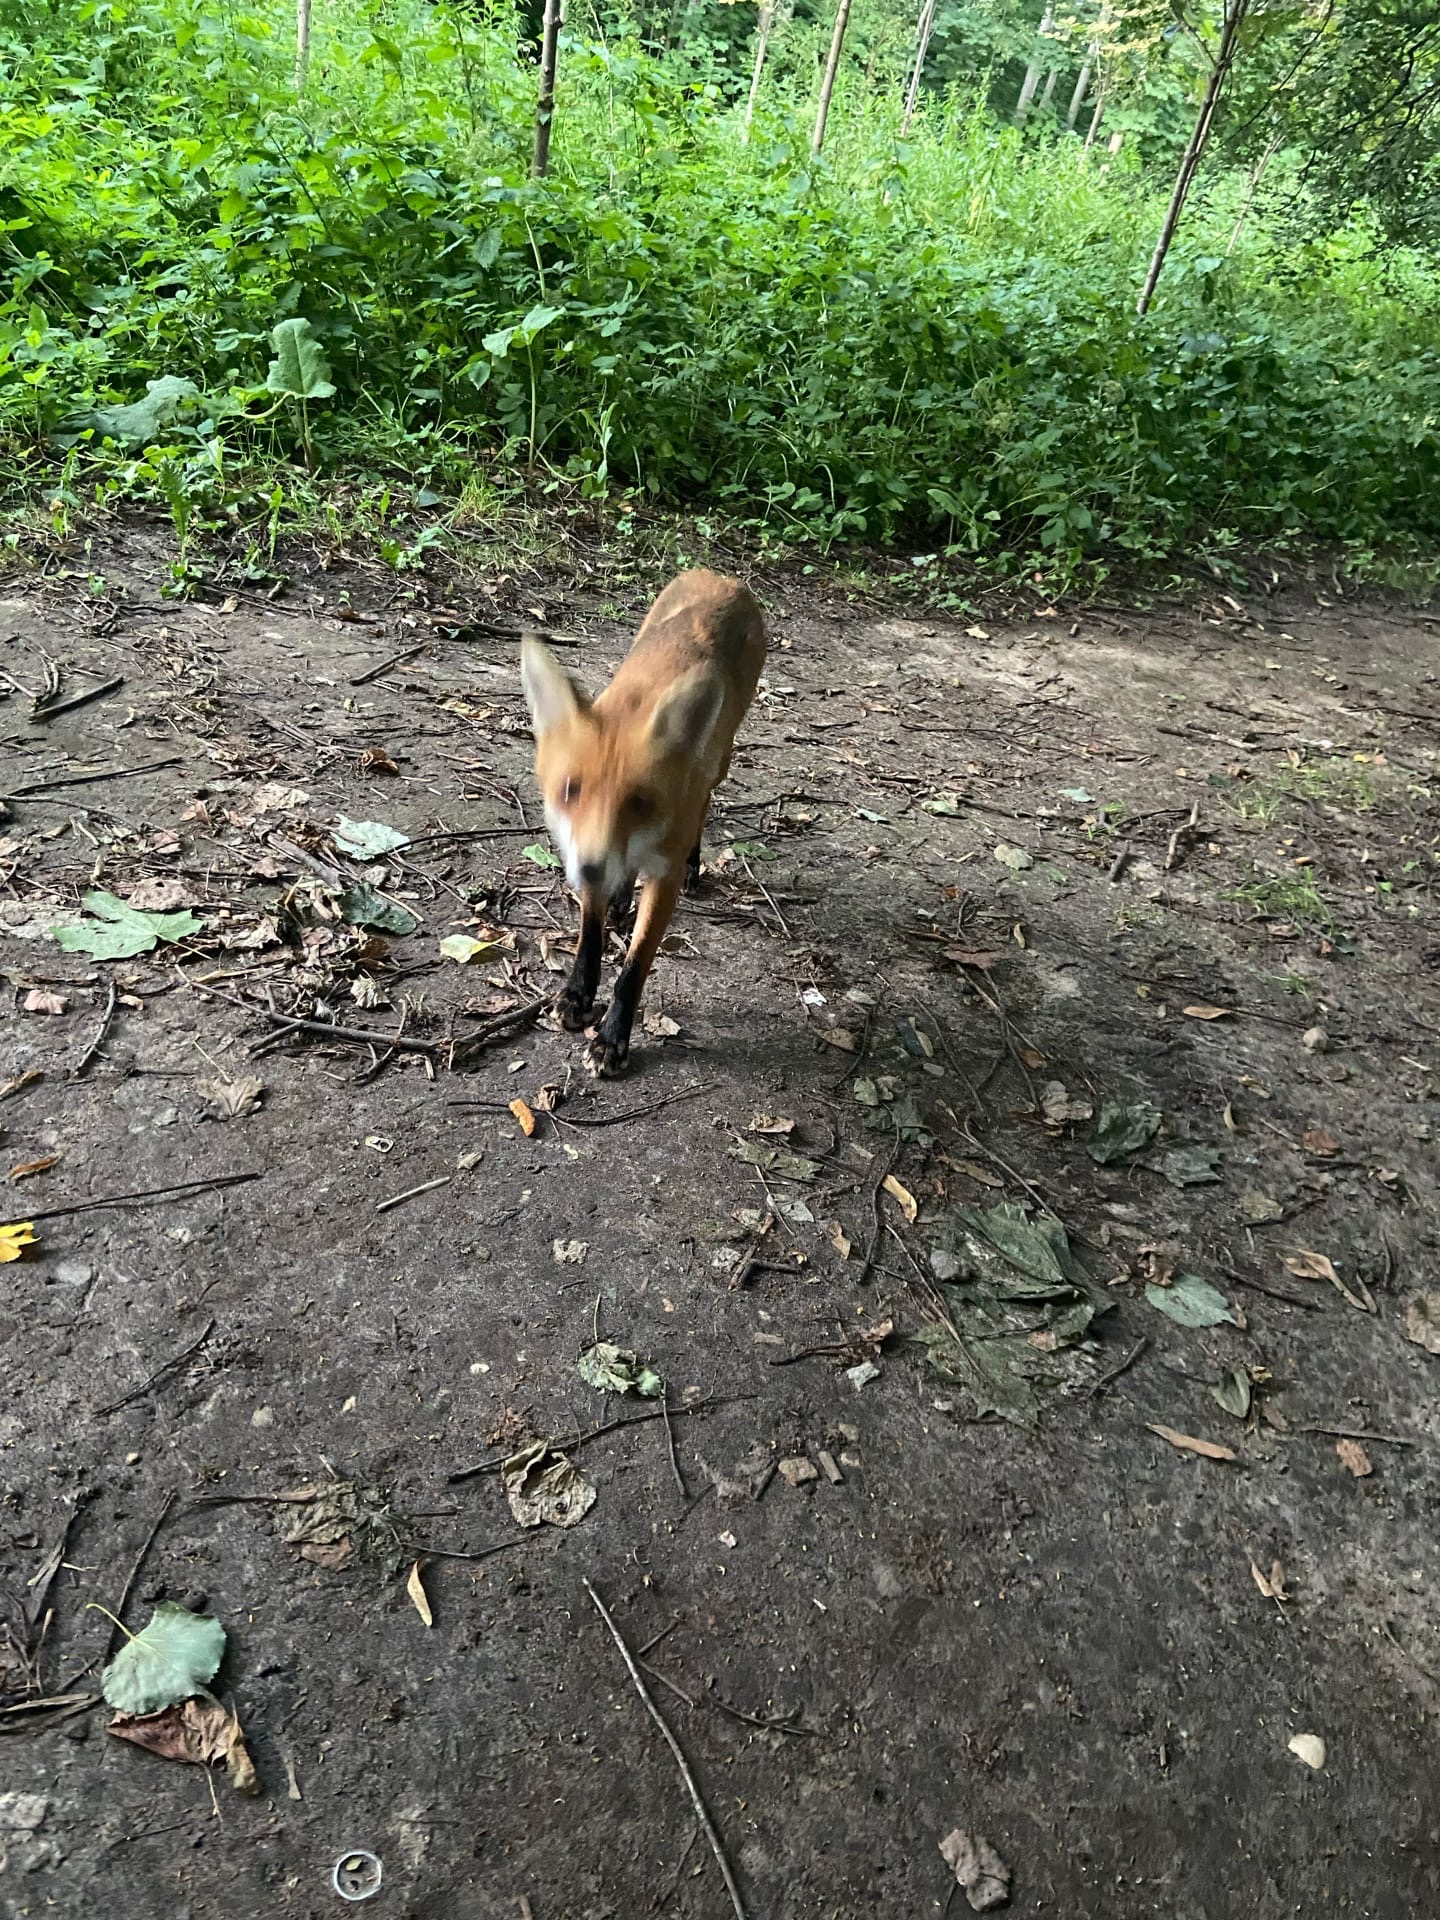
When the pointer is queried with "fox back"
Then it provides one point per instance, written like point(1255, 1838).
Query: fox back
point(627, 778)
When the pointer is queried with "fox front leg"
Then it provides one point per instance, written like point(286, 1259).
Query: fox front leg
point(609, 1053)
point(577, 997)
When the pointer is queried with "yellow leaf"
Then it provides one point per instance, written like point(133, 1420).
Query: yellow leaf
point(909, 1205)
point(465, 949)
point(1208, 1013)
point(15, 1239)
point(416, 1591)
point(523, 1114)
point(1189, 1444)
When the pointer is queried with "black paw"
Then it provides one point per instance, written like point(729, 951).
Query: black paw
point(576, 1012)
point(608, 1058)
point(693, 882)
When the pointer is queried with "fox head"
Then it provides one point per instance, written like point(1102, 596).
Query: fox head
point(622, 785)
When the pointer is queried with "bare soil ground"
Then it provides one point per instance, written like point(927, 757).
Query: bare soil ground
point(1008, 1603)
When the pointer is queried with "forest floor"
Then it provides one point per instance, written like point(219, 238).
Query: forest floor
point(1060, 977)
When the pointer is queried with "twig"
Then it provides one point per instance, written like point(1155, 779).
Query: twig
point(1108, 1379)
point(408, 653)
point(479, 1553)
point(399, 1199)
point(989, 1153)
point(354, 1036)
point(595, 1433)
point(769, 900)
point(1359, 1433)
point(1271, 1293)
point(87, 779)
point(1183, 831)
point(766, 1726)
point(701, 1812)
point(670, 1443)
point(99, 1040)
point(45, 1579)
point(145, 1193)
point(374, 1072)
point(139, 1562)
point(572, 1119)
point(48, 710)
point(1120, 862)
point(496, 1029)
point(166, 1366)
point(876, 1227)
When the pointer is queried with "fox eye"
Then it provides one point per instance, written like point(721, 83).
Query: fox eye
point(572, 791)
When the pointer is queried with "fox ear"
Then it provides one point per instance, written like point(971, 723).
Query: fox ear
point(684, 719)
point(551, 695)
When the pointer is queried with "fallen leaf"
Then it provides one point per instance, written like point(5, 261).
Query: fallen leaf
point(14, 1240)
point(157, 893)
point(200, 1730)
point(329, 1521)
point(1422, 1320)
point(525, 1117)
point(1271, 1584)
point(612, 1369)
point(981, 1873)
point(367, 839)
point(1232, 1392)
point(1015, 858)
point(29, 1167)
point(1188, 1166)
point(776, 1160)
point(978, 957)
point(1122, 1129)
point(908, 1204)
point(1032, 1058)
point(38, 1001)
point(1191, 1302)
point(467, 950)
point(840, 1037)
point(1320, 1143)
point(1061, 1108)
point(230, 1099)
point(415, 1587)
point(1187, 1443)
point(274, 797)
point(362, 906)
point(1308, 1265)
point(945, 804)
point(544, 1487)
point(839, 1241)
point(119, 932)
point(797, 1471)
point(660, 1024)
point(770, 1123)
point(1354, 1457)
point(1203, 1012)
point(176, 1654)
point(1310, 1748)
point(21, 1080)
point(540, 856)
point(1258, 1208)
point(377, 760)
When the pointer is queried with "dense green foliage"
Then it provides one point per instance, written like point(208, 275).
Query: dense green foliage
point(931, 338)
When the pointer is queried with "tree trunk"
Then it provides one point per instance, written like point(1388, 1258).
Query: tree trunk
point(1048, 94)
point(762, 41)
point(545, 99)
point(832, 67)
point(1032, 72)
point(1082, 87)
point(302, 44)
point(1235, 12)
point(1095, 119)
point(922, 47)
point(1245, 205)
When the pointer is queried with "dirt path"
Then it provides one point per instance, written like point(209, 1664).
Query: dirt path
point(1006, 1604)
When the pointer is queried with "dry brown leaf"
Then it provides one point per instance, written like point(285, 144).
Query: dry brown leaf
point(415, 1587)
point(199, 1730)
point(525, 1117)
point(660, 1024)
point(978, 1868)
point(157, 893)
point(1320, 1143)
point(839, 1241)
point(770, 1123)
point(1271, 1584)
point(26, 1079)
point(333, 1555)
point(1032, 1058)
point(972, 1170)
point(38, 1001)
point(1309, 1265)
point(840, 1037)
point(1355, 1457)
point(1422, 1321)
point(377, 760)
point(27, 1167)
point(908, 1204)
point(1209, 1449)
point(230, 1099)
point(979, 957)
point(1203, 1012)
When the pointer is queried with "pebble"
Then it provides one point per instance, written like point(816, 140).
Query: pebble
point(263, 1417)
point(1315, 1040)
point(798, 1472)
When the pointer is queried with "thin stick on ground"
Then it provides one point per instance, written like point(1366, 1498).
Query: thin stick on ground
point(769, 899)
point(1108, 1380)
point(670, 1445)
point(95, 1045)
point(596, 1433)
point(136, 1567)
point(701, 1811)
point(180, 1192)
point(166, 1366)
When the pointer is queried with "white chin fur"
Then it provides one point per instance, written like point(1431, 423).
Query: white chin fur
point(642, 857)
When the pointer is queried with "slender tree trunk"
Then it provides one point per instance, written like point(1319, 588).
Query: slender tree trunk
point(1032, 72)
point(1249, 200)
point(1048, 94)
point(545, 99)
point(302, 44)
point(832, 67)
point(1082, 87)
point(922, 47)
point(762, 41)
point(1095, 119)
point(1235, 12)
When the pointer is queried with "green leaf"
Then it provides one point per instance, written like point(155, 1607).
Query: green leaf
point(1078, 795)
point(988, 1369)
point(614, 1369)
point(368, 839)
point(540, 856)
point(1232, 1392)
point(120, 932)
point(535, 321)
point(1191, 1166)
point(1122, 1129)
point(945, 804)
point(1191, 1302)
point(1037, 1248)
point(1015, 858)
point(140, 422)
point(299, 370)
point(176, 1654)
point(362, 906)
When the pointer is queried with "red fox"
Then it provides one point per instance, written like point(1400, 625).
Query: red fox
point(627, 778)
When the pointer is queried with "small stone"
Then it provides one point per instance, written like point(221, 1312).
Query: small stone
point(132, 1459)
point(263, 1417)
point(828, 1467)
point(846, 1431)
point(850, 1459)
point(1310, 1748)
point(862, 1375)
point(944, 1264)
point(1315, 1040)
point(798, 1472)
